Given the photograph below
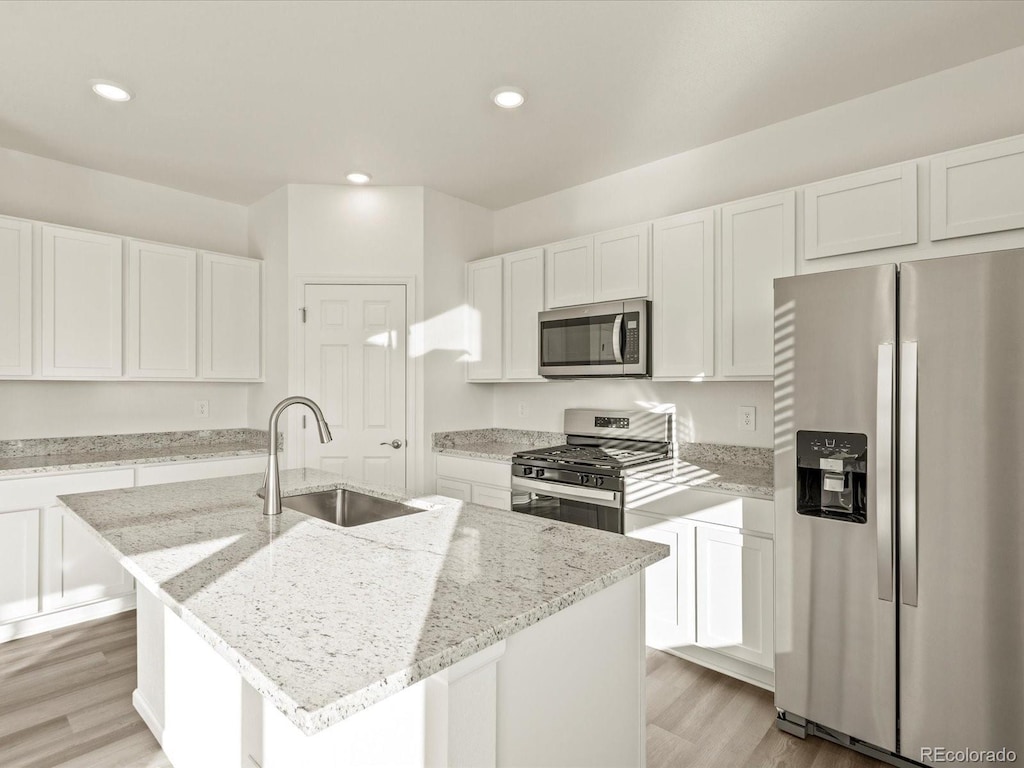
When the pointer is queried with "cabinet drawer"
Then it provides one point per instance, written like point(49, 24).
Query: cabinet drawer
point(496, 473)
point(678, 503)
point(492, 497)
point(199, 470)
point(42, 491)
point(454, 489)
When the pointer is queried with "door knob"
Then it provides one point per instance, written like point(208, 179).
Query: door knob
point(396, 444)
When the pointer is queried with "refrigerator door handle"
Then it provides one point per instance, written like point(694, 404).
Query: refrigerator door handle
point(883, 470)
point(908, 473)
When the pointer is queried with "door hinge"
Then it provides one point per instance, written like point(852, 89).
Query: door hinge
point(303, 311)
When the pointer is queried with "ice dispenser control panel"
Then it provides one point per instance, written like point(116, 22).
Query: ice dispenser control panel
point(831, 475)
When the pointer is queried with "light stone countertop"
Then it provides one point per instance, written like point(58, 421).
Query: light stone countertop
point(737, 479)
point(72, 454)
point(493, 443)
point(326, 621)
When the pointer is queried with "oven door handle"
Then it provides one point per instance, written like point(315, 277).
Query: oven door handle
point(570, 492)
point(617, 338)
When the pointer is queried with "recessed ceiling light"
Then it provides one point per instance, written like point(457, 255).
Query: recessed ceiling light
point(110, 91)
point(358, 177)
point(508, 97)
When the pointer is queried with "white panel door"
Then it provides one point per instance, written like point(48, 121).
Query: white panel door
point(978, 189)
point(19, 563)
point(161, 329)
point(231, 333)
point(670, 595)
point(683, 310)
point(758, 245)
point(82, 277)
point(15, 297)
point(78, 568)
point(735, 595)
point(483, 332)
point(355, 345)
point(569, 273)
point(862, 212)
point(524, 299)
point(621, 259)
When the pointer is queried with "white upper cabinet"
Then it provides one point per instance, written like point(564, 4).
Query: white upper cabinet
point(683, 332)
point(15, 297)
point(161, 332)
point(978, 190)
point(484, 331)
point(523, 300)
point(861, 212)
point(231, 299)
point(758, 245)
point(621, 259)
point(81, 307)
point(569, 277)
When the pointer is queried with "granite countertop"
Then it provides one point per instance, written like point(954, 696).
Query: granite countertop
point(64, 454)
point(326, 621)
point(494, 443)
point(730, 469)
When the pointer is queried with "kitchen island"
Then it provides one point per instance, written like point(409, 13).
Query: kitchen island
point(458, 635)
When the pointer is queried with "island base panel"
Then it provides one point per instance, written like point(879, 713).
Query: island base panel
point(566, 691)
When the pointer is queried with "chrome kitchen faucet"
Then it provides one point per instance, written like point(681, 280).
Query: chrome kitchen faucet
point(272, 480)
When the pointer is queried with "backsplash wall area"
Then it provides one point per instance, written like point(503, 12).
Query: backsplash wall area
point(706, 412)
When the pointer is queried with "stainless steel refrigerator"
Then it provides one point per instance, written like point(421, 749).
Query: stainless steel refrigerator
point(899, 475)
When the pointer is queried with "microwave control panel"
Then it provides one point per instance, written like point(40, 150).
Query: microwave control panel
point(631, 349)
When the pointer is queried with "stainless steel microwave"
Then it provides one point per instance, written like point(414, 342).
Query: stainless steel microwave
point(596, 340)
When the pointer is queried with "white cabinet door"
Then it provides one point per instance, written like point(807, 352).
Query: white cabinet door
point(862, 212)
point(454, 489)
point(684, 296)
point(78, 568)
point(81, 277)
point(621, 259)
point(15, 297)
point(161, 311)
point(231, 332)
point(569, 273)
point(978, 189)
point(671, 617)
point(758, 245)
point(487, 496)
point(524, 299)
point(483, 334)
point(735, 595)
point(19, 563)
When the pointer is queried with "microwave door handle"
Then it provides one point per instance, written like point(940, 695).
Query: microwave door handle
point(617, 338)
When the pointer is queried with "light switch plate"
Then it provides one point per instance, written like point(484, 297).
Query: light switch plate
point(748, 418)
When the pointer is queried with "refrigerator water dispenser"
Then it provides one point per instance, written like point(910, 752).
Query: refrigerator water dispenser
point(832, 475)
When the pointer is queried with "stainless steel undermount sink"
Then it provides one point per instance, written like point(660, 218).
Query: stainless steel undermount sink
point(347, 508)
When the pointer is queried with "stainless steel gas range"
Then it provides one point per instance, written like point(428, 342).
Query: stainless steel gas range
point(582, 482)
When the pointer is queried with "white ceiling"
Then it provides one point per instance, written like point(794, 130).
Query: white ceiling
point(234, 99)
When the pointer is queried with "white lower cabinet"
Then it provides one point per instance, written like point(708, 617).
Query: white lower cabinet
point(53, 570)
point(479, 481)
point(711, 600)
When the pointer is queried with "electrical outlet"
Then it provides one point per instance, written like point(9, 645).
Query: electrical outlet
point(202, 408)
point(522, 410)
point(748, 418)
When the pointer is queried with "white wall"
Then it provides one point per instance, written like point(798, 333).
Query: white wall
point(454, 232)
point(46, 190)
point(971, 104)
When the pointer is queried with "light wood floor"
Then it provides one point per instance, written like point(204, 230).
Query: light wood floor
point(65, 700)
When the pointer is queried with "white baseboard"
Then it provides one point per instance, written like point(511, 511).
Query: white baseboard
point(748, 673)
point(46, 622)
point(146, 713)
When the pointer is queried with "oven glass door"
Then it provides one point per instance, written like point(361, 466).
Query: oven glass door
point(590, 343)
point(568, 504)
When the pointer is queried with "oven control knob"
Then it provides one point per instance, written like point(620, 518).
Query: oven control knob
point(585, 479)
point(598, 481)
point(527, 471)
point(539, 473)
